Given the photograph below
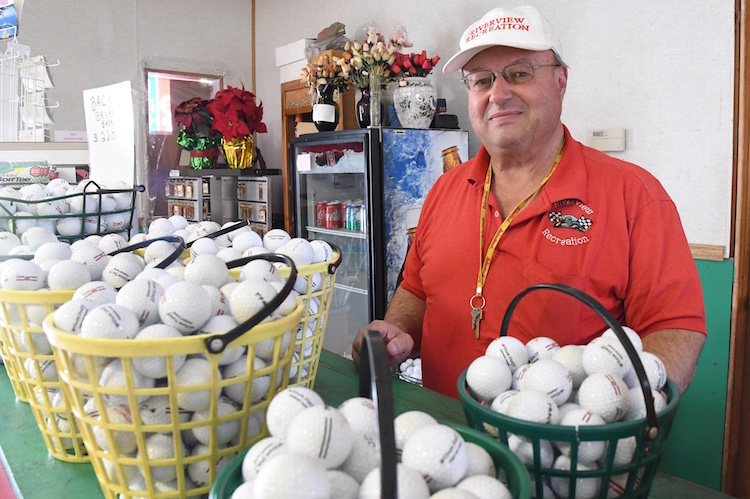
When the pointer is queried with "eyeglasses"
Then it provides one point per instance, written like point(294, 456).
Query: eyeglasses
point(520, 72)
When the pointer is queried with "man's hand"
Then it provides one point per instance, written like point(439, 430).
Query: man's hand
point(398, 344)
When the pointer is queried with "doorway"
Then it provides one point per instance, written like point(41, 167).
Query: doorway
point(166, 90)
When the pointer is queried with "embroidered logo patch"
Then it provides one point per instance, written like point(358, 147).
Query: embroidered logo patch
point(559, 220)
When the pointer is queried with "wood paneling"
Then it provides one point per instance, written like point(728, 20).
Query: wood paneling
point(736, 457)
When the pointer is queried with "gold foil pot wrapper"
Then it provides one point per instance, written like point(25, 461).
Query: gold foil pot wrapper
point(239, 152)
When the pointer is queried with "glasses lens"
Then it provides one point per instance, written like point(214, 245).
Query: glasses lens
point(518, 73)
point(479, 81)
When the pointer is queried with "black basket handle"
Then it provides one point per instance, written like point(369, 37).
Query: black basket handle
point(217, 343)
point(246, 259)
point(221, 232)
point(651, 429)
point(375, 381)
point(168, 260)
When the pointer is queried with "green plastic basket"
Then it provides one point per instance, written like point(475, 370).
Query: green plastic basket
point(380, 385)
point(630, 480)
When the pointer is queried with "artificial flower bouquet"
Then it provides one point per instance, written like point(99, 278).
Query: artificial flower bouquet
point(414, 64)
point(324, 71)
point(371, 56)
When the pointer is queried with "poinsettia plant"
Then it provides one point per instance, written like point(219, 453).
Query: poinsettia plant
point(414, 64)
point(193, 118)
point(236, 113)
point(196, 133)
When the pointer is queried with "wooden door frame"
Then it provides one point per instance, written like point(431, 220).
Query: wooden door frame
point(736, 456)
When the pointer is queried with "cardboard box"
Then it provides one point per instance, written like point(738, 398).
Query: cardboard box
point(291, 71)
point(69, 136)
point(292, 52)
point(305, 127)
point(26, 172)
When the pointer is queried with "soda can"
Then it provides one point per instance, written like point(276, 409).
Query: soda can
point(363, 218)
point(342, 212)
point(348, 217)
point(333, 215)
point(356, 221)
point(320, 214)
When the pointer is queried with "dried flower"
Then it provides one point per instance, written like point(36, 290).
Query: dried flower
point(370, 56)
point(236, 114)
point(324, 71)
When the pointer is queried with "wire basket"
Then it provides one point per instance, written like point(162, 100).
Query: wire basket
point(633, 479)
point(32, 368)
point(138, 434)
point(318, 292)
point(93, 219)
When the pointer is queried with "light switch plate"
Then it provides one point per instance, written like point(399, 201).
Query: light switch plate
point(607, 140)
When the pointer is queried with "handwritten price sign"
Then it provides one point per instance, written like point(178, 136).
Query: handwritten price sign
point(111, 133)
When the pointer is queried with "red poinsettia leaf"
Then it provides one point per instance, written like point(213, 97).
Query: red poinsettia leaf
point(236, 113)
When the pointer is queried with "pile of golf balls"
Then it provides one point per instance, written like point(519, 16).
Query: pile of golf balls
point(66, 210)
point(133, 299)
point(319, 451)
point(574, 385)
point(411, 370)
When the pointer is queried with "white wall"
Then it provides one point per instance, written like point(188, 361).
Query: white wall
point(661, 70)
point(99, 43)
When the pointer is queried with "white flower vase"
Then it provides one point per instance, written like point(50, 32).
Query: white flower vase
point(415, 102)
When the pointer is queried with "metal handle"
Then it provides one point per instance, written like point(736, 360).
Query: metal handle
point(221, 232)
point(651, 429)
point(168, 260)
point(247, 259)
point(218, 342)
point(375, 381)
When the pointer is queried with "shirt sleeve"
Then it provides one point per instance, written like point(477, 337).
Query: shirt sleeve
point(665, 290)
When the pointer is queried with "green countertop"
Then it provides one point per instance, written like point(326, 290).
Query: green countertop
point(35, 474)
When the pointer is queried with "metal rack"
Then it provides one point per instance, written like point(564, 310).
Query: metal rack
point(25, 111)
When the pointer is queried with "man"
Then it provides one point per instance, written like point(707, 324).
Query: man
point(535, 206)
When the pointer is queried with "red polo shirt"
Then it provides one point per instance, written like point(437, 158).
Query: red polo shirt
point(601, 225)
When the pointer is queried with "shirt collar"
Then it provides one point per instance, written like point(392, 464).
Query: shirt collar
point(568, 182)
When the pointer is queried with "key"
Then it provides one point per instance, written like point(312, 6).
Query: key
point(476, 319)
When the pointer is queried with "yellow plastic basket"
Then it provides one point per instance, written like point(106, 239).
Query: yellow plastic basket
point(320, 279)
point(139, 436)
point(32, 369)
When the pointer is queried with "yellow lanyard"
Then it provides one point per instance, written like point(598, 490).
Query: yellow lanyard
point(486, 260)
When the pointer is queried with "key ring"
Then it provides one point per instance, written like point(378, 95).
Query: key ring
point(471, 301)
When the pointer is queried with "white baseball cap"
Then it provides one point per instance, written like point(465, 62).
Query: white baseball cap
point(519, 27)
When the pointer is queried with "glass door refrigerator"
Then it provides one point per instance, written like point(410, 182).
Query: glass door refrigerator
point(363, 190)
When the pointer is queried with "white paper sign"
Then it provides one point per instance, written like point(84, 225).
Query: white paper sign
point(304, 162)
point(111, 133)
